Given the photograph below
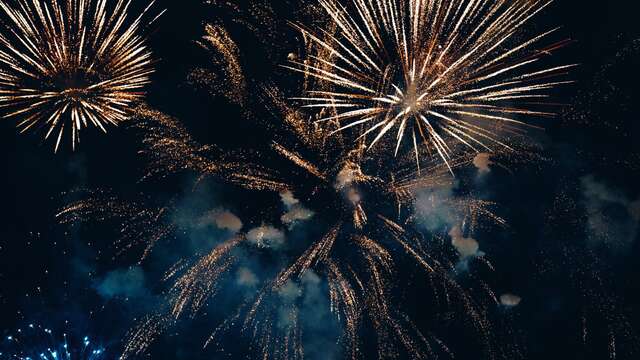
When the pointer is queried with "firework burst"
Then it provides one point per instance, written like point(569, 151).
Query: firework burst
point(435, 72)
point(70, 64)
point(367, 232)
point(37, 342)
point(362, 203)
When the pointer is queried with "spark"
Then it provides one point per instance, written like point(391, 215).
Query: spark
point(70, 64)
point(441, 73)
point(218, 41)
point(35, 342)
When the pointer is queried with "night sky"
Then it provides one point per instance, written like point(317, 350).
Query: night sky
point(569, 251)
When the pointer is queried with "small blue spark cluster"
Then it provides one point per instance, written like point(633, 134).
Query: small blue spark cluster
point(39, 343)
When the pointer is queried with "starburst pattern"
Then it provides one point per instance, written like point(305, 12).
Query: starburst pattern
point(435, 72)
point(69, 64)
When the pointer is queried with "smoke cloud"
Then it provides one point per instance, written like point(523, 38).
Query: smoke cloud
point(123, 283)
point(266, 236)
point(296, 212)
point(434, 212)
point(510, 300)
point(247, 278)
point(467, 247)
point(612, 218)
point(482, 161)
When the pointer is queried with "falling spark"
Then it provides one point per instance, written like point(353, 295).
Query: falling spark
point(438, 73)
point(69, 64)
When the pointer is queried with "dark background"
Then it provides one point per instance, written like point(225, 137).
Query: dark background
point(548, 255)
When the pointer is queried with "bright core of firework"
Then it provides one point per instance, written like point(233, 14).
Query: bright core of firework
point(69, 64)
point(438, 72)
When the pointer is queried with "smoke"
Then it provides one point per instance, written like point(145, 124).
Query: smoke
point(123, 283)
point(247, 278)
point(510, 300)
point(433, 210)
point(319, 326)
point(467, 247)
point(288, 199)
point(296, 212)
point(482, 161)
point(346, 176)
point(202, 222)
point(266, 236)
point(321, 330)
point(222, 219)
point(612, 218)
point(288, 293)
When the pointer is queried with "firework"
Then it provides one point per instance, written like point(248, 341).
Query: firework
point(438, 73)
point(70, 64)
point(37, 342)
point(218, 41)
point(365, 205)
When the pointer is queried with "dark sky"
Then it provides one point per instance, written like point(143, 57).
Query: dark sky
point(549, 255)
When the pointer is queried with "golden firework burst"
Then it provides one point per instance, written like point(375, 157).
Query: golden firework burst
point(364, 203)
point(439, 72)
point(69, 64)
point(368, 207)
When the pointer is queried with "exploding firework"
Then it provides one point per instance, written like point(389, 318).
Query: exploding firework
point(70, 64)
point(439, 73)
point(36, 342)
point(364, 207)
